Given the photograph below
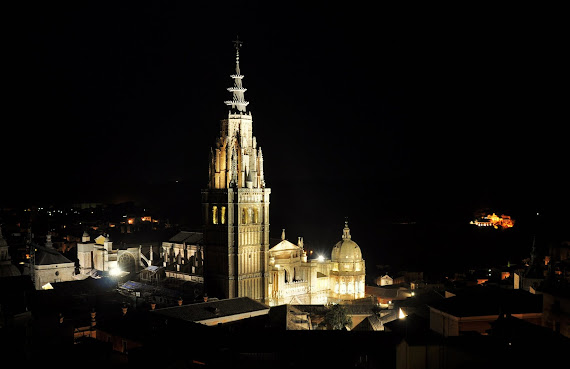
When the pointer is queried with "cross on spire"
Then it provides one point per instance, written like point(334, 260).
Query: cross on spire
point(346, 230)
point(237, 43)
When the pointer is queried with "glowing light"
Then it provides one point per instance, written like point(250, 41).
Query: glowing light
point(495, 221)
point(401, 314)
point(115, 272)
point(47, 286)
point(321, 258)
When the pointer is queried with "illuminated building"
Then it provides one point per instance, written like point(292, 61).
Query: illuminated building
point(495, 221)
point(235, 211)
point(295, 280)
point(348, 271)
point(100, 256)
point(183, 256)
point(236, 206)
point(50, 266)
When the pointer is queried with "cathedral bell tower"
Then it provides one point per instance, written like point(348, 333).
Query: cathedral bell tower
point(235, 206)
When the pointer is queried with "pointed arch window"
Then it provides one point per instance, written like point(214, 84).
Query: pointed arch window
point(214, 214)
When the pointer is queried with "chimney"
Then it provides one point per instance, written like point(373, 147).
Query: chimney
point(180, 301)
point(205, 298)
point(124, 308)
point(152, 305)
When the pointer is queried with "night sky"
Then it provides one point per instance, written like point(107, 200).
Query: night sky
point(381, 115)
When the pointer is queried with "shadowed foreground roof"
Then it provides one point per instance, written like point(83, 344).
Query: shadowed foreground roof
point(212, 309)
point(483, 301)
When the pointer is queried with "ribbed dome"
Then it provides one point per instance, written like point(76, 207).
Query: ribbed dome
point(346, 249)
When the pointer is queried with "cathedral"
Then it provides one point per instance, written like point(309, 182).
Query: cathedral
point(236, 206)
point(238, 260)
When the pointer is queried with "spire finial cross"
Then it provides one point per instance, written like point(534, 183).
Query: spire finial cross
point(237, 43)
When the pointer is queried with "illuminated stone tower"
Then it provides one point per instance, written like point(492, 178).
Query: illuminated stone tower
point(236, 206)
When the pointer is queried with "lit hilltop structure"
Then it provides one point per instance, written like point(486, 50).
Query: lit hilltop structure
point(495, 221)
point(238, 260)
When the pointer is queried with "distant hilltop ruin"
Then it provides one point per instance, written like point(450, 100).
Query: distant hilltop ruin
point(495, 221)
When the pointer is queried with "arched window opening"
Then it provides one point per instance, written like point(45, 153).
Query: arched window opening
point(214, 214)
point(223, 215)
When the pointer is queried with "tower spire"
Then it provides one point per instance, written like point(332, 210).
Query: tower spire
point(238, 100)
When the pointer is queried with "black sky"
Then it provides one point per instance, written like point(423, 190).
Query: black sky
point(379, 114)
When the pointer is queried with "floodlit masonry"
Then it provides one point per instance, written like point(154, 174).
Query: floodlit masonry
point(238, 260)
point(495, 221)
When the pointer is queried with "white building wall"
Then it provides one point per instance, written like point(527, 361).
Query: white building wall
point(53, 273)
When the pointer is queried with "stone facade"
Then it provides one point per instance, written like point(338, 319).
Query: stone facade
point(100, 256)
point(236, 207)
point(295, 280)
point(235, 213)
point(50, 266)
point(183, 256)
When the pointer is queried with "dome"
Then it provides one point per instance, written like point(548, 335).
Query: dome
point(346, 249)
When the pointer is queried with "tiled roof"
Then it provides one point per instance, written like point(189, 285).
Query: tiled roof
point(212, 309)
point(194, 238)
point(370, 323)
point(483, 301)
point(284, 245)
point(49, 256)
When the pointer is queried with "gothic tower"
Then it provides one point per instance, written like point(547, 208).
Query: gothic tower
point(236, 206)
